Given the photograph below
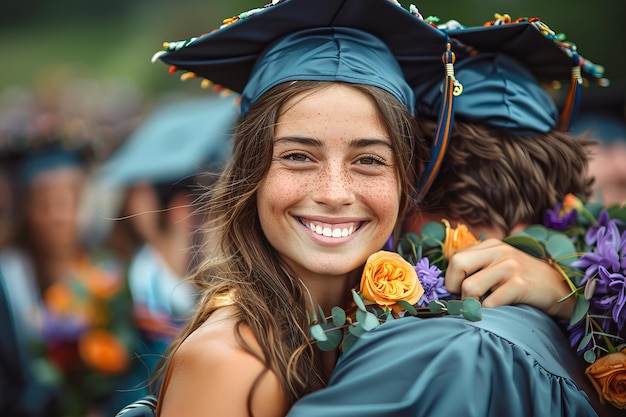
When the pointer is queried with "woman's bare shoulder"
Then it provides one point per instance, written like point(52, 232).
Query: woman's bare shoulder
point(212, 374)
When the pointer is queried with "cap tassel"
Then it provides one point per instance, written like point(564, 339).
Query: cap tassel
point(573, 97)
point(451, 88)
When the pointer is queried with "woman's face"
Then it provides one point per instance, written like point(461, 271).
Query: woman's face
point(331, 196)
point(52, 210)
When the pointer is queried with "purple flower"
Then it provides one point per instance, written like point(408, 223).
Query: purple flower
point(432, 281)
point(576, 333)
point(556, 220)
point(609, 253)
point(591, 237)
point(611, 287)
point(389, 244)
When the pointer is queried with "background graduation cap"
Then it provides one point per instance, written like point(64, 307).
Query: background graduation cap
point(281, 42)
point(502, 67)
point(175, 142)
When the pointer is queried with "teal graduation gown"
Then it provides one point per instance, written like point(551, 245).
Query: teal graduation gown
point(515, 362)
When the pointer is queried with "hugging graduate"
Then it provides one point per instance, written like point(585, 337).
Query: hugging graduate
point(324, 166)
point(326, 161)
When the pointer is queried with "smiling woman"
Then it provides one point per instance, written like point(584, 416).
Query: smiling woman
point(324, 164)
point(331, 195)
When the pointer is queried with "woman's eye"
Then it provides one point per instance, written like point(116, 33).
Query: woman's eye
point(370, 160)
point(296, 157)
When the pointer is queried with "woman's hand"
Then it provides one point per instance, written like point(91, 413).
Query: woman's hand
point(500, 274)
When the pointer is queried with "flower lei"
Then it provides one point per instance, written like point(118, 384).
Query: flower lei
point(393, 285)
point(587, 245)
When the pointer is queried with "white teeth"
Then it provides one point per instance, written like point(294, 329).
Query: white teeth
point(330, 232)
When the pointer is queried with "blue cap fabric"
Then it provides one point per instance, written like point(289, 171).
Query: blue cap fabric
point(497, 90)
point(176, 141)
point(503, 67)
point(46, 160)
point(349, 40)
point(328, 54)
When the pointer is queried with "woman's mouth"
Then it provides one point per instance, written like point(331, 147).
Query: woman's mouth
point(331, 230)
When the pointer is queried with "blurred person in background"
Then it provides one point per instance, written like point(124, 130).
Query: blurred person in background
point(22, 394)
point(71, 303)
point(603, 118)
point(68, 300)
point(159, 170)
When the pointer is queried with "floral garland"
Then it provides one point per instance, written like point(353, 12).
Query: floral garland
point(585, 243)
point(393, 285)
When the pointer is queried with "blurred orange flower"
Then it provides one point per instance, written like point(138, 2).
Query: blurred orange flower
point(456, 239)
point(608, 376)
point(59, 298)
point(571, 202)
point(102, 351)
point(387, 278)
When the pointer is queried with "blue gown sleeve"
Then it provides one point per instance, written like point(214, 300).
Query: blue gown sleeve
point(515, 362)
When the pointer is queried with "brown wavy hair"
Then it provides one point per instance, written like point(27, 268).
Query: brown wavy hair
point(491, 177)
point(270, 299)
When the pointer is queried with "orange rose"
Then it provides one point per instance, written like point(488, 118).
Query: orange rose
point(103, 352)
point(456, 239)
point(608, 375)
point(388, 278)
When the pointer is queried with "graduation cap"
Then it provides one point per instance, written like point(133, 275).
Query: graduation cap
point(374, 42)
point(176, 141)
point(502, 67)
point(529, 44)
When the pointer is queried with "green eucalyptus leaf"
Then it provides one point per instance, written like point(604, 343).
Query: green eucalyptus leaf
point(616, 212)
point(410, 310)
point(580, 309)
point(338, 316)
point(471, 309)
point(526, 244)
point(436, 306)
point(333, 338)
point(317, 332)
point(561, 249)
point(590, 356)
point(367, 320)
point(433, 234)
point(584, 342)
point(356, 329)
point(540, 233)
point(348, 342)
point(322, 315)
point(358, 300)
point(455, 307)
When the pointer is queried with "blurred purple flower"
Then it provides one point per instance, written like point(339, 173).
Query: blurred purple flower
point(432, 281)
point(576, 332)
point(609, 253)
point(389, 244)
point(557, 221)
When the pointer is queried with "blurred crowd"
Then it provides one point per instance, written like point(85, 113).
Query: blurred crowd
point(99, 226)
point(101, 221)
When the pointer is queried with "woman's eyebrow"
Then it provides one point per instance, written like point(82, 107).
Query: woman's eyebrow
point(314, 142)
point(364, 142)
point(300, 140)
